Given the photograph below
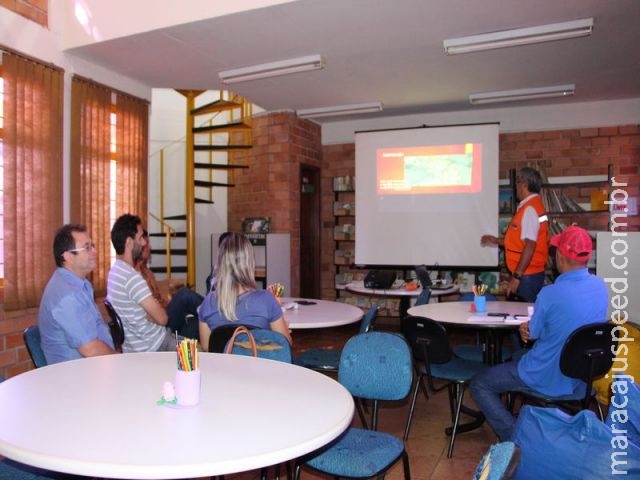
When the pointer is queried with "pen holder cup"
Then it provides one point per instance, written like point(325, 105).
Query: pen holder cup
point(187, 387)
point(480, 301)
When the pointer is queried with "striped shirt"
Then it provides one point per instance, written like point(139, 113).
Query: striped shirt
point(126, 289)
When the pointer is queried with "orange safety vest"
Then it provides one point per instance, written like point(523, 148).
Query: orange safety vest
point(514, 245)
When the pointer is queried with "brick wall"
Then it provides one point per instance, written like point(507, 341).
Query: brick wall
point(271, 186)
point(36, 10)
point(561, 152)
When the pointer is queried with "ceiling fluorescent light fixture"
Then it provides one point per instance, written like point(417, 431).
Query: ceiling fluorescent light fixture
point(273, 69)
point(340, 110)
point(519, 36)
point(522, 94)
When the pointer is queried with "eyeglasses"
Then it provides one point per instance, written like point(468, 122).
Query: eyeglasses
point(85, 248)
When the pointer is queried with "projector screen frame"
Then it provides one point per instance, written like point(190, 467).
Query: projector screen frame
point(490, 138)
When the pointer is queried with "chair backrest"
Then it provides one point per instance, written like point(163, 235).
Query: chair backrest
point(115, 326)
point(369, 319)
point(376, 366)
point(271, 345)
point(31, 338)
point(424, 297)
point(427, 338)
point(221, 335)
point(588, 353)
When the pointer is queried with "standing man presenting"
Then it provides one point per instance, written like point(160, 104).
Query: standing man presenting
point(143, 318)
point(70, 323)
point(526, 239)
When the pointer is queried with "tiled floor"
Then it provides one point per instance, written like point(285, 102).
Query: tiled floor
point(427, 444)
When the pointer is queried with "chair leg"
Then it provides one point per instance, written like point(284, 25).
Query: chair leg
point(360, 407)
point(406, 466)
point(458, 389)
point(414, 397)
point(600, 411)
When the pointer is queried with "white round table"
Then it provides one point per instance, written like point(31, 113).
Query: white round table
point(402, 293)
point(459, 314)
point(98, 416)
point(313, 313)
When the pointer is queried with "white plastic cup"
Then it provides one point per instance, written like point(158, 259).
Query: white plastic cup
point(187, 387)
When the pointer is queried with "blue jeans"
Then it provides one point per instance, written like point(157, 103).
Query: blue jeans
point(486, 388)
point(530, 286)
point(184, 302)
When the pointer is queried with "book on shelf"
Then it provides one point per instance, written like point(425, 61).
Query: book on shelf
point(343, 208)
point(343, 257)
point(343, 232)
point(342, 184)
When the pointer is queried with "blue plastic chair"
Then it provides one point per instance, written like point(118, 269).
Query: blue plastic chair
point(375, 366)
point(327, 359)
point(499, 462)
point(10, 470)
point(423, 298)
point(435, 360)
point(31, 338)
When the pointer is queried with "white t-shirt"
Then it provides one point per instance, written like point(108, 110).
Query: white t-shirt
point(530, 221)
point(126, 289)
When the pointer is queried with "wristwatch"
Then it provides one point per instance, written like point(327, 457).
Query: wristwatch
point(516, 275)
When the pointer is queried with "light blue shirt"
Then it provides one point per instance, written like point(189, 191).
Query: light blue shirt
point(576, 298)
point(69, 317)
point(256, 307)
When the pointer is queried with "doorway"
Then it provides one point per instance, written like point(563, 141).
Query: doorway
point(310, 232)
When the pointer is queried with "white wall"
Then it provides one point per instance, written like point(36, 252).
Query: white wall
point(167, 133)
point(513, 119)
point(29, 38)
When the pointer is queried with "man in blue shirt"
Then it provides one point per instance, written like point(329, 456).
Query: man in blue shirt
point(576, 298)
point(70, 323)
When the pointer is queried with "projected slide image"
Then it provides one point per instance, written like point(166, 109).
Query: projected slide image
point(433, 169)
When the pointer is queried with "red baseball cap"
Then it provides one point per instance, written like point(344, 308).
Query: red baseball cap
point(574, 243)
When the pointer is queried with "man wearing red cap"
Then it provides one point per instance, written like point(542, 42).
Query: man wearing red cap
point(576, 298)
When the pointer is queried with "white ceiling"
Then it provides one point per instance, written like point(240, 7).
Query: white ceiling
point(389, 51)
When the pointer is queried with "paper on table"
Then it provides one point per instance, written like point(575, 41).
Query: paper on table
point(517, 319)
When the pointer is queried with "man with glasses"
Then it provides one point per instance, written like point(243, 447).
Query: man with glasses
point(525, 242)
point(145, 321)
point(70, 323)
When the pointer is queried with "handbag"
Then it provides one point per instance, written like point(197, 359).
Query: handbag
point(250, 344)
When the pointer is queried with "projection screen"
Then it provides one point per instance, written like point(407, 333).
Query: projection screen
point(426, 195)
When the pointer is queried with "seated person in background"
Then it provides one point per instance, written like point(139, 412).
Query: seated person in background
point(576, 298)
point(70, 323)
point(211, 279)
point(236, 298)
point(181, 307)
point(144, 320)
